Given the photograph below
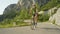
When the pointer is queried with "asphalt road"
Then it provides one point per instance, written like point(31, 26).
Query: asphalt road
point(42, 28)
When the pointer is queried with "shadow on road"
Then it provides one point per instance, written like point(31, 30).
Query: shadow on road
point(51, 28)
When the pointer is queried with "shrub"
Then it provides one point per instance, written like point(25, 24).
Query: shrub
point(43, 17)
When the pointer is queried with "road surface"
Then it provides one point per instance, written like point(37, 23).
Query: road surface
point(42, 28)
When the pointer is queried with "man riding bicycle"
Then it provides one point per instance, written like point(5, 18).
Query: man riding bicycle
point(35, 17)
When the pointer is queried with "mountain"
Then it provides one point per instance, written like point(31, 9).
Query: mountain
point(9, 8)
point(23, 4)
point(1, 17)
point(28, 3)
point(13, 9)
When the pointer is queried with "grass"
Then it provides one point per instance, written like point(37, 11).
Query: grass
point(11, 25)
point(6, 26)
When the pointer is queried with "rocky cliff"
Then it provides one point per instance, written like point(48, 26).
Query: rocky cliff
point(28, 3)
point(55, 18)
point(24, 4)
point(9, 8)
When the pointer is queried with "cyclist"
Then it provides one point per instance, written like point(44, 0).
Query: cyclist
point(35, 17)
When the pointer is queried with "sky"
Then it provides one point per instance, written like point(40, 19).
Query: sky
point(5, 3)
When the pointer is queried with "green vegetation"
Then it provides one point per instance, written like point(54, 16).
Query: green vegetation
point(16, 18)
point(51, 4)
point(43, 17)
point(24, 14)
point(58, 6)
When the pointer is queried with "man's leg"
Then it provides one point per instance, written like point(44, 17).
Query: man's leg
point(33, 25)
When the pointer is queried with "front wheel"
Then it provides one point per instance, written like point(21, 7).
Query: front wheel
point(33, 25)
